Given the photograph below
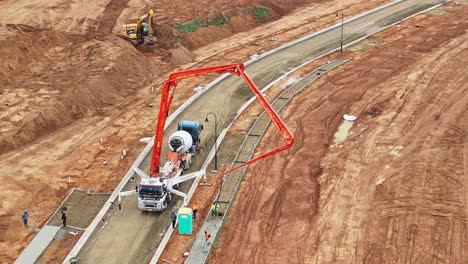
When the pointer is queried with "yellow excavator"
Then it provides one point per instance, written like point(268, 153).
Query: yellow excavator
point(140, 32)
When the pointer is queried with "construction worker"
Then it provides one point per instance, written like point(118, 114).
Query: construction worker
point(194, 211)
point(173, 219)
point(64, 219)
point(214, 210)
point(183, 161)
point(207, 242)
point(25, 217)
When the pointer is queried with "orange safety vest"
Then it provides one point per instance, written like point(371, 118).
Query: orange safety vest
point(194, 207)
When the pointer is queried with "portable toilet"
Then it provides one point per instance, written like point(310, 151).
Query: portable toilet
point(184, 218)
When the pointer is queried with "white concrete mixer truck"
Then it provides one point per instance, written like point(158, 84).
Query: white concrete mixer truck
point(155, 193)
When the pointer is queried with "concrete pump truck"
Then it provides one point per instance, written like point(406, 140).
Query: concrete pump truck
point(157, 189)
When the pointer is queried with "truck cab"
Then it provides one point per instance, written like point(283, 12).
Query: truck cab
point(194, 129)
point(152, 195)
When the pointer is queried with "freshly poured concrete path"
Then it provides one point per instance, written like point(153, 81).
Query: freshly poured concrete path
point(37, 246)
point(132, 235)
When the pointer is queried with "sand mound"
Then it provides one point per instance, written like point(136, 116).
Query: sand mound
point(180, 55)
point(48, 79)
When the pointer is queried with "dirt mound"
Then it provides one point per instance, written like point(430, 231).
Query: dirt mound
point(166, 37)
point(281, 7)
point(71, 16)
point(239, 20)
point(51, 78)
point(27, 49)
point(180, 55)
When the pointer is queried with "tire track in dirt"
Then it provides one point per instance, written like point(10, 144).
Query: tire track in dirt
point(300, 181)
point(405, 207)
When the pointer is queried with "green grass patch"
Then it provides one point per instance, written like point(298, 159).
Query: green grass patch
point(189, 27)
point(260, 12)
point(218, 21)
point(195, 24)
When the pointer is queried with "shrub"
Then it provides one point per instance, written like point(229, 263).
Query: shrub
point(260, 12)
point(189, 27)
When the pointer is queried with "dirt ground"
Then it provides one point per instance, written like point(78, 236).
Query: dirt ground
point(59, 248)
point(394, 190)
point(68, 82)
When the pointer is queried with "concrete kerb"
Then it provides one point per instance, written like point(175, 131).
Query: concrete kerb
point(192, 99)
point(48, 221)
point(219, 140)
point(90, 229)
point(60, 206)
point(327, 53)
point(76, 249)
point(321, 31)
point(77, 228)
point(232, 164)
point(310, 35)
point(251, 100)
point(192, 190)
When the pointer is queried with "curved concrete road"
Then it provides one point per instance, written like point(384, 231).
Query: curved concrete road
point(132, 236)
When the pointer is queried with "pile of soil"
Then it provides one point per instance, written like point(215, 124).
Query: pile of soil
point(49, 79)
point(180, 55)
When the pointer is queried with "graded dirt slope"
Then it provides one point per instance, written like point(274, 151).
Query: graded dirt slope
point(238, 13)
point(395, 190)
point(60, 62)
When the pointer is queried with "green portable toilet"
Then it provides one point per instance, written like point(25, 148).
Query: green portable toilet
point(184, 218)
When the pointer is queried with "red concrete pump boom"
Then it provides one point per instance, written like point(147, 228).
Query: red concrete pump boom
point(166, 99)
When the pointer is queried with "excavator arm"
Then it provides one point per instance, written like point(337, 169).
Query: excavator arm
point(139, 29)
point(166, 100)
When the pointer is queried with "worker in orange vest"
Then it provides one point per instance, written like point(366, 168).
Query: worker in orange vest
point(194, 211)
point(207, 242)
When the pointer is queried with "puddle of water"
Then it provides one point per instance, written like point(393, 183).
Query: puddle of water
point(343, 132)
